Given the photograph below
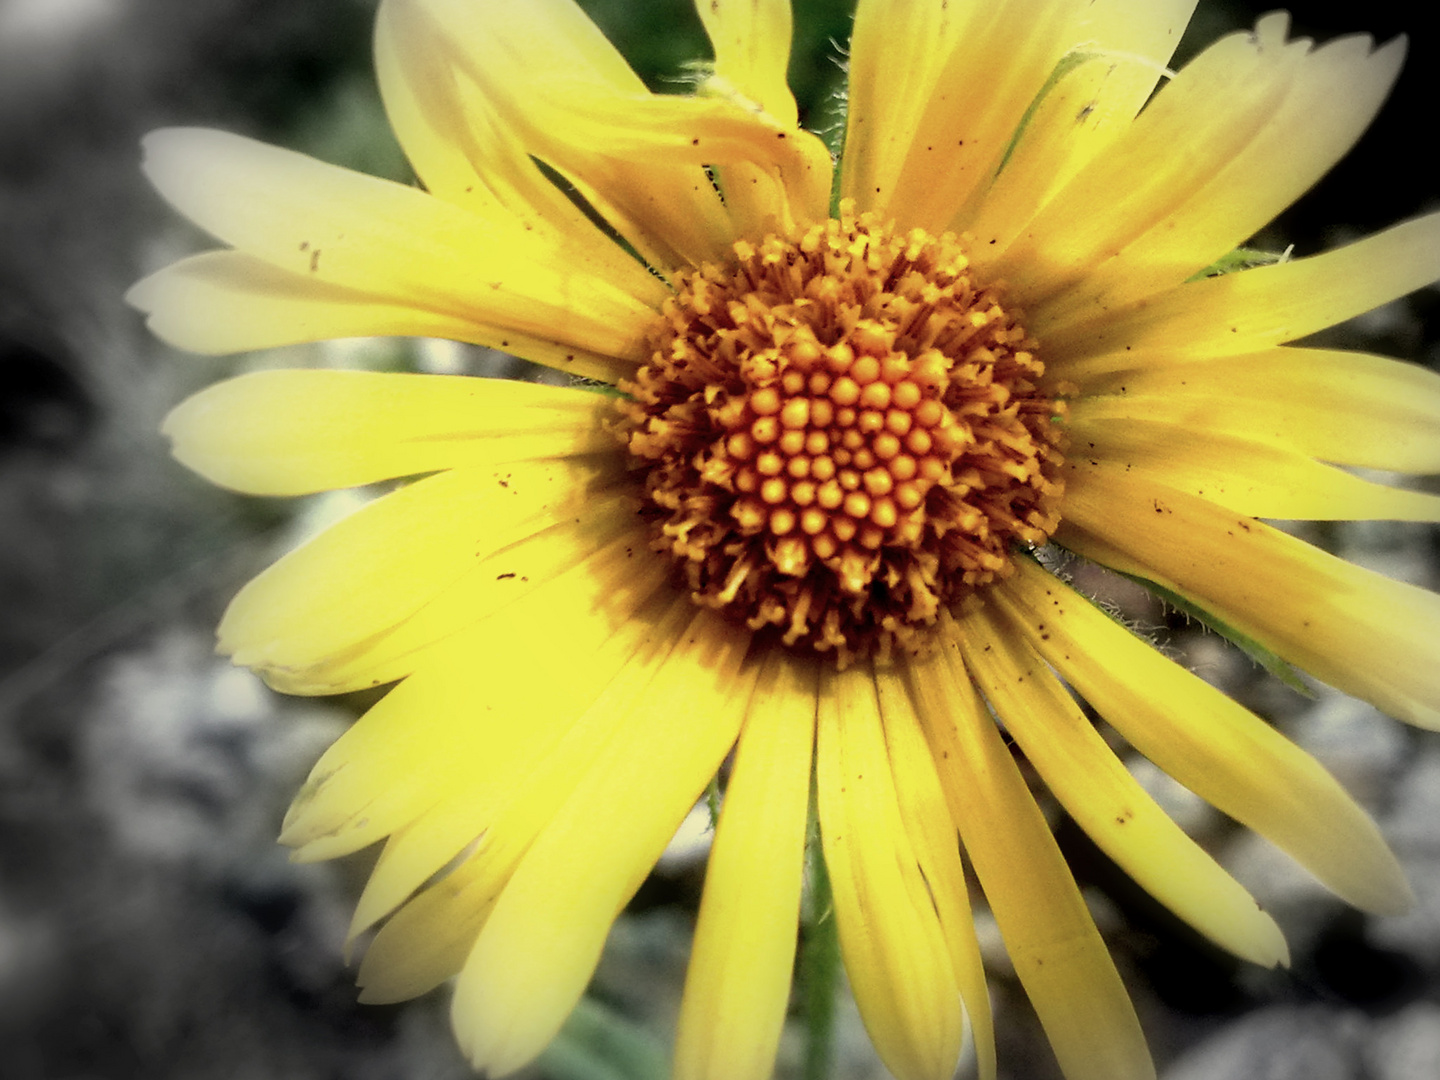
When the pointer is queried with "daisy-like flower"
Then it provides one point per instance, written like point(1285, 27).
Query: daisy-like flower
point(804, 529)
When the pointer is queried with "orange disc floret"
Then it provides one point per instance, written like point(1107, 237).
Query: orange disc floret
point(842, 432)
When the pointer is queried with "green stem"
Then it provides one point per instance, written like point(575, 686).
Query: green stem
point(819, 965)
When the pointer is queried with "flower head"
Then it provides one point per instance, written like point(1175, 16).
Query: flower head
point(806, 528)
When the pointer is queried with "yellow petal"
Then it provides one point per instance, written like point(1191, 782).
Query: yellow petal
point(1000, 61)
point(460, 147)
point(934, 838)
point(394, 242)
point(1119, 52)
point(429, 938)
point(656, 129)
point(895, 952)
point(540, 944)
point(291, 432)
point(536, 64)
point(1251, 476)
point(751, 39)
point(897, 50)
point(569, 566)
point(1343, 407)
point(1235, 138)
point(1058, 954)
point(738, 983)
point(377, 567)
point(525, 716)
point(1252, 309)
point(1358, 631)
point(1216, 748)
point(227, 302)
point(404, 755)
point(1106, 801)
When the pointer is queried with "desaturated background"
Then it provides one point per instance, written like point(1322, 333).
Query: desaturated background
point(150, 927)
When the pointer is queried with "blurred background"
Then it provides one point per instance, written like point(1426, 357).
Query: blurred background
point(149, 925)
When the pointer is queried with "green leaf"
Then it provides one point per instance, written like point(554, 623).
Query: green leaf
point(1242, 258)
point(598, 1043)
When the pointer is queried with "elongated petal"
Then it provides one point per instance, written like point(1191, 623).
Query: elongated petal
point(738, 983)
point(1205, 740)
point(394, 242)
point(1107, 802)
point(890, 936)
point(1057, 952)
point(226, 301)
point(460, 147)
point(936, 843)
point(375, 568)
point(897, 50)
point(999, 64)
point(569, 566)
point(657, 129)
point(1343, 407)
point(1248, 475)
point(398, 760)
point(1252, 309)
point(526, 716)
point(291, 432)
point(1236, 137)
point(1358, 631)
point(1087, 103)
point(428, 939)
point(517, 54)
point(751, 39)
point(543, 939)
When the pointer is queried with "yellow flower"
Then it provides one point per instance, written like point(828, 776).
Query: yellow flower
point(804, 530)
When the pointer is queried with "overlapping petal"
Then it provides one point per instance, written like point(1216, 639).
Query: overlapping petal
point(891, 938)
point(1207, 741)
point(1106, 801)
point(541, 942)
point(1358, 631)
point(1231, 141)
point(397, 244)
point(1058, 954)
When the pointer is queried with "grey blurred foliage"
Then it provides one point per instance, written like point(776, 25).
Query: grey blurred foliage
point(149, 926)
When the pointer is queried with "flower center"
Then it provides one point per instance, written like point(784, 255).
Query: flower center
point(841, 433)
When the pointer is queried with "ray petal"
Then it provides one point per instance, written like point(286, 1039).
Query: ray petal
point(1235, 138)
point(1342, 407)
point(394, 242)
point(1000, 61)
point(377, 567)
point(1249, 475)
point(751, 39)
point(1204, 739)
point(1089, 101)
point(540, 944)
point(1107, 802)
point(895, 951)
point(1356, 630)
point(1253, 309)
point(936, 843)
point(223, 302)
point(535, 64)
point(386, 770)
point(1058, 954)
point(296, 431)
point(738, 982)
